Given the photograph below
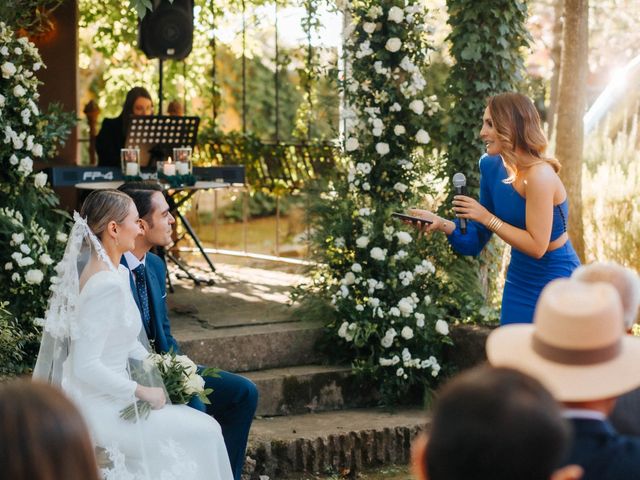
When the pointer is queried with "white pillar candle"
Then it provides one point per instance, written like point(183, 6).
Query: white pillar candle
point(169, 169)
point(183, 168)
point(131, 169)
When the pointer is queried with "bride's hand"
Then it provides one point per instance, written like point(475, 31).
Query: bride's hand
point(153, 395)
point(438, 222)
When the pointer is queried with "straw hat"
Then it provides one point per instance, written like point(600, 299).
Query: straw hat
point(576, 346)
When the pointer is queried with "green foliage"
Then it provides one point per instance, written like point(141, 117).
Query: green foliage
point(11, 344)
point(394, 292)
point(487, 39)
point(611, 180)
point(30, 226)
point(31, 16)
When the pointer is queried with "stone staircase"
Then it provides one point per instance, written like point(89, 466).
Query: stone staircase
point(312, 416)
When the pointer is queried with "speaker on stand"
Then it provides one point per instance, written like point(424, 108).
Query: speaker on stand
point(166, 32)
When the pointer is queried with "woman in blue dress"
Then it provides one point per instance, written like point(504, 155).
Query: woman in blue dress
point(522, 200)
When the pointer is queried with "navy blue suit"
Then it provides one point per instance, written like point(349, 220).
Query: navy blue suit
point(234, 399)
point(602, 452)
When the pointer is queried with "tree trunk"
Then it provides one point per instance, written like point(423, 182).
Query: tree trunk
point(571, 107)
point(556, 52)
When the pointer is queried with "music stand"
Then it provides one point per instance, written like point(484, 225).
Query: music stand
point(157, 135)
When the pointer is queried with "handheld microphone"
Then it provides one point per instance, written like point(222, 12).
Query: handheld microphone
point(460, 184)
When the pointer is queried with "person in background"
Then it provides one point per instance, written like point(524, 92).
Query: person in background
point(42, 435)
point(175, 109)
point(522, 200)
point(494, 424)
point(113, 132)
point(626, 414)
point(578, 349)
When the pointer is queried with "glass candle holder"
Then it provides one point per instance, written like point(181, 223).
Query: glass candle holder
point(182, 157)
point(169, 168)
point(130, 161)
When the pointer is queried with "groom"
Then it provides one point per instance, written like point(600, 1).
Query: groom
point(234, 400)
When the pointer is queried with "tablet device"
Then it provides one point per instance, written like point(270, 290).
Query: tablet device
point(404, 216)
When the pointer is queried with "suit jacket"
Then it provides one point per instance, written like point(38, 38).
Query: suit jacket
point(109, 142)
point(155, 273)
point(604, 453)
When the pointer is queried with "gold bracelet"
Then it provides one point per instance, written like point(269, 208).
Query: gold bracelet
point(495, 224)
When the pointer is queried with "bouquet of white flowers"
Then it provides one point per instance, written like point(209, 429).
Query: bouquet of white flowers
point(181, 381)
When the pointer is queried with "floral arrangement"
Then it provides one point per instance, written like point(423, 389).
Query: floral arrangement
point(180, 378)
point(377, 271)
point(31, 229)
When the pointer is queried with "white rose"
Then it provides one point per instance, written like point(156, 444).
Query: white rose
point(376, 132)
point(395, 14)
point(17, 238)
point(351, 144)
point(19, 91)
point(359, 308)
point(399, 130)
point(417, 106)
point(419, 320)
point(34, 277)
point(364, 212)
point(8, 266)
point(8, 69)
point(382, 148)
point(442, 327)
point(403, 237)
point(25, 249)
point(405, 306)
point(378, 254)
point(422, 137)
point(349, 279)
point(13, 160)
point(15, 277)
point(386, 342)
point(26, 166)
point(394, 311)
point(45, 259)
point(190, 367)
point(356, 267)
point(40, 179)
point(37, 66)
point(400, 187)
point(400, 372)
point(37, 150)
point(407, 333)
point(342, 331)
point(369, 27)
point(61, 237)
point(393, 44)
point(4, 51)
point(362, 242)
point(194, 384)
point(366, 186)
point(395, 107)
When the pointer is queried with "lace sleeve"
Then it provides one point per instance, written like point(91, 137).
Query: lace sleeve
point(99, 318)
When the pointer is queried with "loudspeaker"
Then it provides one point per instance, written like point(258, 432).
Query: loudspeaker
point(167, 31)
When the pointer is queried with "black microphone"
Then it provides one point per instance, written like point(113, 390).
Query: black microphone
point(460, 184)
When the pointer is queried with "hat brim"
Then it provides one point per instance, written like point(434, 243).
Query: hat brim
point(510, 346)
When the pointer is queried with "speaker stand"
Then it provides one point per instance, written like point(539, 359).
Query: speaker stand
point(160, 63)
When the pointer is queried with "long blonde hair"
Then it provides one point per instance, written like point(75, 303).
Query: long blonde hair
point(517, 124)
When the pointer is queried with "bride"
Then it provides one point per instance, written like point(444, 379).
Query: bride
point(93, 348)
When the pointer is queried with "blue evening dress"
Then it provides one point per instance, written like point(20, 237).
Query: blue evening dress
point(526, 276)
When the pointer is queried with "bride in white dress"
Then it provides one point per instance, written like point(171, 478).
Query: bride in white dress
point(93, 334)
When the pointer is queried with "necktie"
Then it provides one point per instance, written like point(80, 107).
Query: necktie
point(141, 287)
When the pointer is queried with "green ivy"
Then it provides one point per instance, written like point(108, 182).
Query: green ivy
point(487, 39)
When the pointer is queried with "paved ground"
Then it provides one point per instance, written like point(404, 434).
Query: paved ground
point(246, 292)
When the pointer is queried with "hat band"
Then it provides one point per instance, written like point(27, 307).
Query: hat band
point(572, 356)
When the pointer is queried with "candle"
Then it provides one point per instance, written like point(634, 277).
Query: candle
point(183, 168)
point(169, 168)
point(131, 169)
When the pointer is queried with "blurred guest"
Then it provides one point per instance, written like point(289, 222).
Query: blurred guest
point(494, 424)
point(42, 435)
point(578, 349)
point(175, 109)
point(112, 135)
point(626, 414)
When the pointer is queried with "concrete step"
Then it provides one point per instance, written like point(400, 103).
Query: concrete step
point(346, 441)
point(308, 388)
point(255, 347)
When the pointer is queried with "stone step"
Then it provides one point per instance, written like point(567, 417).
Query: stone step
point(346, 441)
point(308, 388)
point(255, 347)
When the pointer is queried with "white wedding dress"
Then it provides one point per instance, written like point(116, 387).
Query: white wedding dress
point(174, 442)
